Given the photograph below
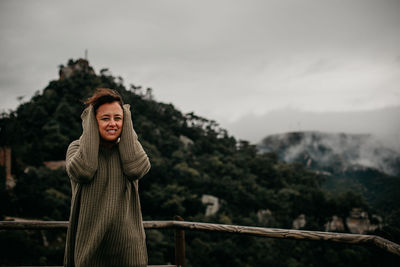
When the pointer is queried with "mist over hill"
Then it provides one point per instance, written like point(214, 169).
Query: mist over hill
point(333, 152)
point(383, 124)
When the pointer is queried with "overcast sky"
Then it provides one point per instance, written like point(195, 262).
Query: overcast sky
point(225, 60)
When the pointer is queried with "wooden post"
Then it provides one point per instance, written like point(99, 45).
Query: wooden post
point(179, 244)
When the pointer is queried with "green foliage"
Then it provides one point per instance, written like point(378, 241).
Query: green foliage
point(43, 193)
point(31, 248)
point(190, 156)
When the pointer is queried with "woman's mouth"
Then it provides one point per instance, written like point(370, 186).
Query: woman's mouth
point(112, 131)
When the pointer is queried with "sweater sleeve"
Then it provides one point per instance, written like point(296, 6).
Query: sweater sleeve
point(135, 162)
point(82, 154)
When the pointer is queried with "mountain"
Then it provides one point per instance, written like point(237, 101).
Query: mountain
point(346, 162)
point(194, 162)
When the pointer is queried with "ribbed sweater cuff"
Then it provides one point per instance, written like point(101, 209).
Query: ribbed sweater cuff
point(134, 159)
point(89, 140)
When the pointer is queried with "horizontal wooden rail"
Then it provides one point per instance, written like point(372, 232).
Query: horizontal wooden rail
point(244, 230)
point(294, 234)
point(33, 225)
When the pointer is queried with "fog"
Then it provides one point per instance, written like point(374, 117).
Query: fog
point(384, 124)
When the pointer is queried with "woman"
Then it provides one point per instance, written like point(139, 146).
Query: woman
point(104, 166)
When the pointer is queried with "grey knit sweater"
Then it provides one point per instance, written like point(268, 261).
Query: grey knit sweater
point(105, 226)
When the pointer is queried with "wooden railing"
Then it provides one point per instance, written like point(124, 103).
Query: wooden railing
point(179, 227)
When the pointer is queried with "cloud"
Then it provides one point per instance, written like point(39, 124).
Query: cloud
point(221, 59)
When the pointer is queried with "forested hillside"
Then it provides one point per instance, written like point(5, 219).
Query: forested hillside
point(346, 162)
point(191, 156)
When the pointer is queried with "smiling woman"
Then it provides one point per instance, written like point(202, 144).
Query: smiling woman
point(109, 118)
point(104, 167)
point(107, 105)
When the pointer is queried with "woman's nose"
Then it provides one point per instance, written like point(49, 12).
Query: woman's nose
point(113, 122)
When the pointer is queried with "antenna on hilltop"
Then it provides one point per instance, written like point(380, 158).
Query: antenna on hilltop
point(86, 54)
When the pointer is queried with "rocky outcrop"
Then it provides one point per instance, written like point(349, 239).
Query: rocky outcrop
point(264, 216)
point(299, 222)
point(359, 223)
point(335, 225)
point(212, 203)
point(186, 141)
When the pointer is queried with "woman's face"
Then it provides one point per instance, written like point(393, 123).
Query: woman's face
point(110, 117)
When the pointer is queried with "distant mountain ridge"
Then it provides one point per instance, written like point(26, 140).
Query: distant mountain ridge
point(333, 152)
point(382, 123)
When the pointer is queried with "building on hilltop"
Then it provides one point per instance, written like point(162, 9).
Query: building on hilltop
point(5, 161)
point(81, 65)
